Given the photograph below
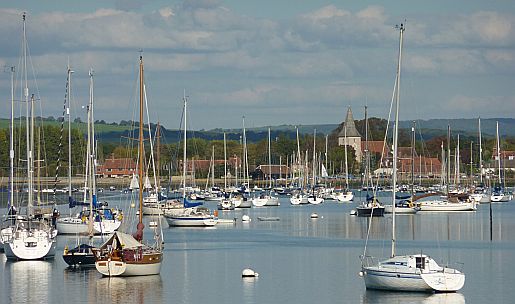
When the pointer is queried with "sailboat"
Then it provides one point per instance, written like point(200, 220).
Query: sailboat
point(416, 272)
point(371, 206)
point(94, 215)
point(266, 199)
point(191, 214)
point(479, 194)
point(240, 200)
point(82, 254)
point(124, 254)
point(346, 195)
point(32, 237)
point(314, 198)
point(298, 197)
point(226, 202)
point(498, 194)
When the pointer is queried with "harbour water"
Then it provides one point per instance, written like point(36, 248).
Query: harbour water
point(299, 259)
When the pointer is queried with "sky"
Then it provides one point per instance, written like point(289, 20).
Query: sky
point(273, 61)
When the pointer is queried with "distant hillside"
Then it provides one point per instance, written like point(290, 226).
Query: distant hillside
point(113, 132)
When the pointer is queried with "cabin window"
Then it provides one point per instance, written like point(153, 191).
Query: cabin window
point(31, 244)
point(420, 262)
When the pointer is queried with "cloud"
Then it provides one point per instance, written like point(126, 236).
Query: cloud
point(312, 63)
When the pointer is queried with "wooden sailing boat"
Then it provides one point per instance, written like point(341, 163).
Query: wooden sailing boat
point(416, 272)
point(124, 254)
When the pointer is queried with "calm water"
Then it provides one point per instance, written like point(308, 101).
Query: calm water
point(299, 260)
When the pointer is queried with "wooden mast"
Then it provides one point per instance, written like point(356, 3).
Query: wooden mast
point(139, 232)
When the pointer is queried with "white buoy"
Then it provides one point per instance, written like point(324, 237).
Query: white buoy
point(152, 224)
point(133, 205)
point(353, 212)
point(249, 273)
point(314, 215)
point(245, 218)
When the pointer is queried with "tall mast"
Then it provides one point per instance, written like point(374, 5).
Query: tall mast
point(367, 163)
point(498, 147)
point(185, 100)
point(314, 158)
point(139, 233)
point(68, 113)
point(11, 146)
point(245, 159)
point(225, 165)
point(480, 153)
point(27, 122)
point(269, 159)
point(346, 163)
point(413, 160)
point(396, 136)
point(448, 172)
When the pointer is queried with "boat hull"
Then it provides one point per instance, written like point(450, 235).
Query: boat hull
point(77, 226)
point(30, 248)
point(394, 281)
point(191, 221)
point(447, 206)
point(377, 211)
point(120, 268)
point(80, 259)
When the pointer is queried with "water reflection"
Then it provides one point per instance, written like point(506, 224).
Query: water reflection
point(29, 281)
point(248, 289)
point(377, 296)
point(139, 289)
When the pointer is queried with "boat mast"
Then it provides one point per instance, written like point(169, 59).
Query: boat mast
point(413, 161)
point(91, 158)
point(395, 136)
point(480, 153)
point(225, 165)
point(346, 163)
point(11, 147)
point(27, 122)
point(367, 158)
point(139, 233)
point(245, 155)
point(448, 172)
point(269, 160)
point(68, 113)
point(314, 159)
point(498, 147)
point(185, 100)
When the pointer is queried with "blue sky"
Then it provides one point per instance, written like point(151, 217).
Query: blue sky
point(274, 61)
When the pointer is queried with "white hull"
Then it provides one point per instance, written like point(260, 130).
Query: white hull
point(77, 226)
point(417, 273)
point(345, 197)
point(481, 198)
point(272, 201)
point(242, 203)
point(120, 268)
point(259, 202)
point(315, 200)
point(439, 205)
point(500, 198)
point(25, 247)
point(400, 210)
point(300, 200)
point(192, 221)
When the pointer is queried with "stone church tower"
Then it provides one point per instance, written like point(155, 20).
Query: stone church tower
point(353, 137)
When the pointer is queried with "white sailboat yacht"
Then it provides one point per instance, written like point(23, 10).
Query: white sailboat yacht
point(32, 238)
point(103, 220)
point(416, 272)
point(267, 199)
point(346, 195)
point(498, 193)
point(191, 214)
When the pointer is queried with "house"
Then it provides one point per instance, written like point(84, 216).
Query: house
point(117, 167)
point(264, 172)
